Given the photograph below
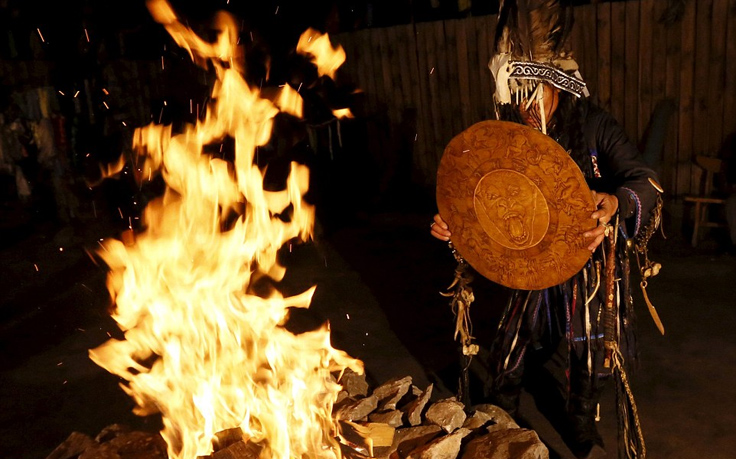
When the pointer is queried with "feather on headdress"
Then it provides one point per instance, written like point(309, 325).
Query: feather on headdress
point(531, 47)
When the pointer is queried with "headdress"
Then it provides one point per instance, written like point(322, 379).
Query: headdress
point(531, 47)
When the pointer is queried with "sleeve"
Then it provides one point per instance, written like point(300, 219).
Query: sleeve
point(625, 172)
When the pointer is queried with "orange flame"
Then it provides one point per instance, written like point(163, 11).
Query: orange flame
point(342, 113)
point(324, 56)
point(200, 347)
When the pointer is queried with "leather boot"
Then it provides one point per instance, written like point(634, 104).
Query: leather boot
point(583, 438)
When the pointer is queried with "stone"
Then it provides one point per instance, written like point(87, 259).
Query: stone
point(414, 409)
point(110, 432)
point(411, 438)
point(447, 447)
point(477, 420)
point(141, 445)
point(394, 418)
point(357, 410)
point(354, 384)
point(498, 415)
point(505, 444)
point(73, 446)
point(392, 391)
point(448, 414)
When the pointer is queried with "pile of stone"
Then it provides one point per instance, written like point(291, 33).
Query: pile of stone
point(113, 442)
point(396, 420)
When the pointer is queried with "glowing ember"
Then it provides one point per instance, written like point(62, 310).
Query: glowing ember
point(200, 347)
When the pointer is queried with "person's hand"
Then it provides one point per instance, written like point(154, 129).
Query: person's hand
point(607, 205)
point(439, 229)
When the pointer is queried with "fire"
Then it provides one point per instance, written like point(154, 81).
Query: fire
point(201, 347)
point(324, 56)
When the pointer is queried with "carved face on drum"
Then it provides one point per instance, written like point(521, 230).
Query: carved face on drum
point(511, 209)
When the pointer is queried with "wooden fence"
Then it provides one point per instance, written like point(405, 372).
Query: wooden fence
point(632, 55)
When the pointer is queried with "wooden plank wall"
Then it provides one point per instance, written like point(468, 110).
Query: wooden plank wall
point(436, 71)
point(630, 55)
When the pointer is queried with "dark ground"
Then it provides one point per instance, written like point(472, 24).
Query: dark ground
point(378, 279)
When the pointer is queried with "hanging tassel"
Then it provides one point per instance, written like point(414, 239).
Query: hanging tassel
point(518, 330)
point(650, 306)
point(630, 436)
point(462, 297)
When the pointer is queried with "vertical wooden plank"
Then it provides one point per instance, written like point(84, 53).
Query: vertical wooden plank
point(485, 29)
point(452, 86)
point(367, 71)
point(390, 93)
point(672, 92)
point(589, 68)
point(441, 74)
point(702, 72)
point(645, 64)
point(411, 118)
point(603, 19)
point(402, 36)
point(463, 73)
point(401, 95)
point(471, 38)
point(618, 43)
point(631, 71)
point(716, 78)
point(576, 43)
point(585, 19)
point(421, 137)
point(430, 73)
point(729, 92)
point(686, 120)
point(427, 135)
point(659, 81)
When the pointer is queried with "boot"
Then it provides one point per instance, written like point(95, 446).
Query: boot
point(582, 437)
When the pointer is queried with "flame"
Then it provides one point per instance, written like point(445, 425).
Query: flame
point(342, 113)
point(108, 170)
point(200, 346)
point(290, 101)
point(324, 56)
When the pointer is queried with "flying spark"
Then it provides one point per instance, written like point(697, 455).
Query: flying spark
point(40, 34)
